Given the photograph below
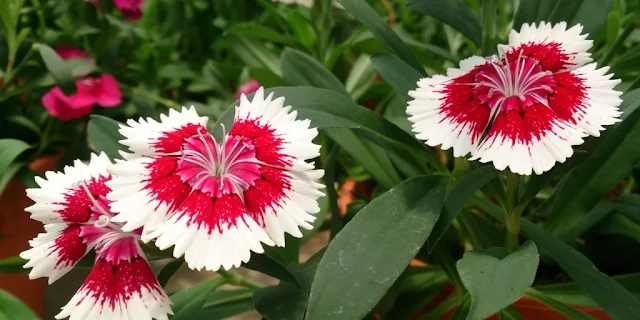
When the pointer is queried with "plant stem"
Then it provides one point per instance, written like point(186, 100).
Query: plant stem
point(236, 279)
point(391, 14)
point(512, 212)
point(12, 74)
point(39, 12)
point(614, 47)
point(489, 25)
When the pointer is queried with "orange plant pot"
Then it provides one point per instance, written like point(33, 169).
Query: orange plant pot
point(16, 229)
point(527, 307)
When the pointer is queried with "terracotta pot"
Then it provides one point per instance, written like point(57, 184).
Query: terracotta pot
point(16, 229)
point(527, 307)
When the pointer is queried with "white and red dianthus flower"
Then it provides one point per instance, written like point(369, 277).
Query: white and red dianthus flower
point(525, 108)
point(75, 211)
point(216, 201)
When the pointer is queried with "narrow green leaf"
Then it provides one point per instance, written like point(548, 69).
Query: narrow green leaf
point(189, 301)
point(9, 173)
point(302, 28)
point(591, 15)
point(328, 109)
point(496, 283)
point(283, 301)
point(10, 149)
point(12, 308)
point(611, 296)
point(251, 29)
point(593, 178)
point(58, 68)
point(457, 198)
point(13, 265)
point(397, 73)
point(373, 158)
point(371, 252)
point(103, 133)
point(168, 271)
point(556, 305)
point(363, 12)
point(453, 13)
point(267, 265)
point(300, 69)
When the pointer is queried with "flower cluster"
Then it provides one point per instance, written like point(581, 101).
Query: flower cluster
point(214, 201)
point(523, 109)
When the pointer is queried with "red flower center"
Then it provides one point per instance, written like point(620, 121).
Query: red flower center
point(514, 85)
point(217, 169)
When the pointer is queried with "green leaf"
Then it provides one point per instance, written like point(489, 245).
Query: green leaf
point(9, 173)
point(286, 301)
point(267, 265)
point(188, 302)
point(372, 250)
point(10, 149)
point(58, 68)
point(611, 296)
point(556, 305)
point(397, 73)
point(299, 69)
point(327, 109)
point(367, 16)
point(103, 133)
point(251, 29)
point(496, 283)
point(453, 13)
point(255, 54)
point(302, 28)
point(457, 198)
point(168, 271)
point(13, 265)
point(283, 301)
point(12, 308)
point(420, 286)
point(373, 158)
point(593, 178)
point(80, 67)
point(592, 15)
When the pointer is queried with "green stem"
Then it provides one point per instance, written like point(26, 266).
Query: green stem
point(489, 25)
point(236, 279)
point(614, 47)
point(10, 75)
point(512, 212)
point(40, 13)
point(165, 102)
point(329, 181)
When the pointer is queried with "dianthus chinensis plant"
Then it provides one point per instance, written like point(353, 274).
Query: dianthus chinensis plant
point(503, 167)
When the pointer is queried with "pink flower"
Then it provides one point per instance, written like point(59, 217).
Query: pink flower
point(525, 108)
point(67, 52)
point(217, 201)
point(250, 87)
point(103, 91)
point(130, 9)
point(75, 211)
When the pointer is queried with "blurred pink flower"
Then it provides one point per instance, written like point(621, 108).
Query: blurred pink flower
point(130, 9)
point(103, 91)
point(250, 87)
point(68, 52)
